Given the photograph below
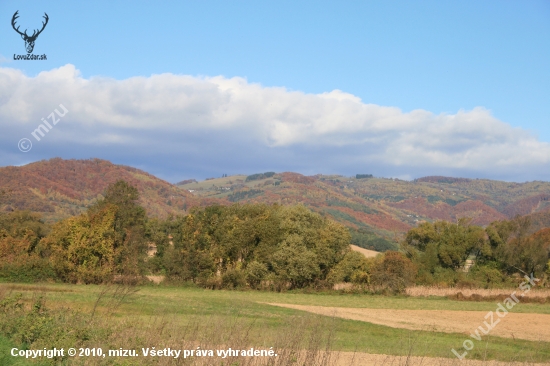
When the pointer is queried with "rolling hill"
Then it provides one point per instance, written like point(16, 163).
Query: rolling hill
point(59, 188)
point(378, 211)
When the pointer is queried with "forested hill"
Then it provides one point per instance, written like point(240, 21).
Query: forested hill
point(59, 188)
point(386, 207)
point(378, 210)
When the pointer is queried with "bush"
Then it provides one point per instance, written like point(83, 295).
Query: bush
point(256, 272)
point(37, 327)
point(446, 277)
point(393, 273)
point(353, 268)
point(31, 269)
point(487, 276)
point(234, 278)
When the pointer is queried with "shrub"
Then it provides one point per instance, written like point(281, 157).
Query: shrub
point(37, 327)
point(486, 276)
point(256, 272)
point(446, 277)
point(27, 269)
point(234, 278)
point(393, 273)
point(353, 268)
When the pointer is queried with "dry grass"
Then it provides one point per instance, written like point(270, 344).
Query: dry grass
point(306, 343)
point(155, 279)
point(343, 286)
point(303, 340)
point(4, 288)
point(427, 291)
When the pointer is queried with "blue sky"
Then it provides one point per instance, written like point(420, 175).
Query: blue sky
point(483, 65)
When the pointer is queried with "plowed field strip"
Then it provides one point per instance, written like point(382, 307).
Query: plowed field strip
point(533, 327)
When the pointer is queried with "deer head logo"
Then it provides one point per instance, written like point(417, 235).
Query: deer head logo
point(29, 40)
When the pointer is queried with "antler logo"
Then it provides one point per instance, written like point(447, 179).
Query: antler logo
point(29, 40)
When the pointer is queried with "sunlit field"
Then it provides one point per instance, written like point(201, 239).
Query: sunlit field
point(114, 317)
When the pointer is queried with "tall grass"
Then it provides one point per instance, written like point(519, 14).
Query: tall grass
point(30, 322)
point(427, 291)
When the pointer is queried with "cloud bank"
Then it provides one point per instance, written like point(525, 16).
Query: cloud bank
point(180, 126)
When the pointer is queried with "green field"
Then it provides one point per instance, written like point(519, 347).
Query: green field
point(162, 316)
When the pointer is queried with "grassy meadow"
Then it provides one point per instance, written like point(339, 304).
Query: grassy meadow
point(114, 317)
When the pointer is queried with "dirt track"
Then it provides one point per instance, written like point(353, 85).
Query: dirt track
point(534, 327)
point(366, 359)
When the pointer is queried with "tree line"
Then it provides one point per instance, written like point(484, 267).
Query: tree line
point(461, 254)
point(258, 246)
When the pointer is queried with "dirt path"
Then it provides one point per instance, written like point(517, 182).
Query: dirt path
point(367, 359)
point(533, 327)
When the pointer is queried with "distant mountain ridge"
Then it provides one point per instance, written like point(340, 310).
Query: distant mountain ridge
point(387, 207)
point(378, 210)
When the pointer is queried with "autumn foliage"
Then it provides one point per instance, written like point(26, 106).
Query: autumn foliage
point(264, 245)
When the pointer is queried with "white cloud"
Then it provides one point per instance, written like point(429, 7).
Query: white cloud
point(181, 114)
